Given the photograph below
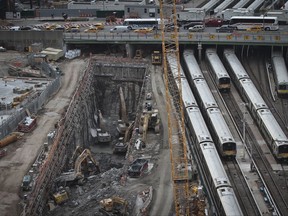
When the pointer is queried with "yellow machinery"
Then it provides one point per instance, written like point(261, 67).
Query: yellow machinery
point(60, 197)
point(76, 175)
point(114, 206)
point(156, 57)
point(176, 125)
point(149, 120)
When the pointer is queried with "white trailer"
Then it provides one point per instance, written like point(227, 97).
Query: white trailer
point(190, 16)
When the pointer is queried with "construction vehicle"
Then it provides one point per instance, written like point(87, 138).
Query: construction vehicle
point(28, 123)
point(84, 165)
point(149, 121)
point(26, 183)
point(60, 196)
point(122, 145)
point(156, 58)
point(114, 206)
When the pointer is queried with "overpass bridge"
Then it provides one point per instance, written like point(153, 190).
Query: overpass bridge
point(236, 38)
point(20, 40)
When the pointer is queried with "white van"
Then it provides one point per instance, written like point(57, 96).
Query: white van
point(120, 29)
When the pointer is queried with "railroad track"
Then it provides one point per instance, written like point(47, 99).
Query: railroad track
point(249, 206)
point(276, 185)
point(238, 179)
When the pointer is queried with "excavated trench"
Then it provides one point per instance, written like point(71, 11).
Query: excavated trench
point(98, 92)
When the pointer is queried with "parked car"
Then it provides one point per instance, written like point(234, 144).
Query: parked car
point(213, 22)
point(196, 28)
point(191, 24)
point(143, 30)
point(226, 28)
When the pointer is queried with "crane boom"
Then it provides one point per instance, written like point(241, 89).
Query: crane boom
point(176, 127)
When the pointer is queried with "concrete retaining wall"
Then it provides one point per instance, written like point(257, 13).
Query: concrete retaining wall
point(18, 40)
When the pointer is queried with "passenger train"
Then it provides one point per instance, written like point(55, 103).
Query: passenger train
point(219, 73)
point(271, 130)
point(213, 171)
point(280, 73)
point(219, 129)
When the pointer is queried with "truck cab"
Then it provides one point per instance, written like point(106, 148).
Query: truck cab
point(26, 183)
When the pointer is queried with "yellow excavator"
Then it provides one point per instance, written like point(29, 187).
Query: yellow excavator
point(122, 145)
point(114, 206)
point(149, 120)
point(76, 176)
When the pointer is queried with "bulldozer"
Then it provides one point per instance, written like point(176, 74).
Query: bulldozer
point(75, 175)
point(114, 206)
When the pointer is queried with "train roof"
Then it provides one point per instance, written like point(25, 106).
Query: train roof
point(280, 69)
point(253, 94)
point(199, 126)
point(220, 125)
point(187, 95)
point(205, 93)
point(214, 164)
point(192, 65)
point(216, 64)
point(236, 66)
point(229, 201)
point(272, 126)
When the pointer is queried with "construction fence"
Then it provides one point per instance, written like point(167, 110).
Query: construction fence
point(32, 104)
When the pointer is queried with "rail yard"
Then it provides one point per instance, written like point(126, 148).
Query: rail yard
point(100, 122)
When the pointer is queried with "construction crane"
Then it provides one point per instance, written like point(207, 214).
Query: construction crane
point(176, 128)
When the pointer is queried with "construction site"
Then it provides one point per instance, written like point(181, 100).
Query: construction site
point(105, 152)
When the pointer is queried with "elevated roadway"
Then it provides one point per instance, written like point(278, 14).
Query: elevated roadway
point(235, 38)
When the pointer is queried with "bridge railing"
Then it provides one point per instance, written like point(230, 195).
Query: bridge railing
point(184, 37)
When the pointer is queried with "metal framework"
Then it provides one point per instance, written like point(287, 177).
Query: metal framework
point(176, 126)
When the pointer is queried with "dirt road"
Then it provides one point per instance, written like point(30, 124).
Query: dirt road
point(14, 166)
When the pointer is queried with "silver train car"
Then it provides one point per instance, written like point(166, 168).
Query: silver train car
point(252, 96)
point(274, 135)
point(223, 138)
point(235, 65)
point(219, 72)
point(280, 73)
point(213, 171)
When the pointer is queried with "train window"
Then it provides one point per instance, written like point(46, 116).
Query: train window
point(283, 149)
point(283, 87)
point(229, 146)
point(224, 80)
